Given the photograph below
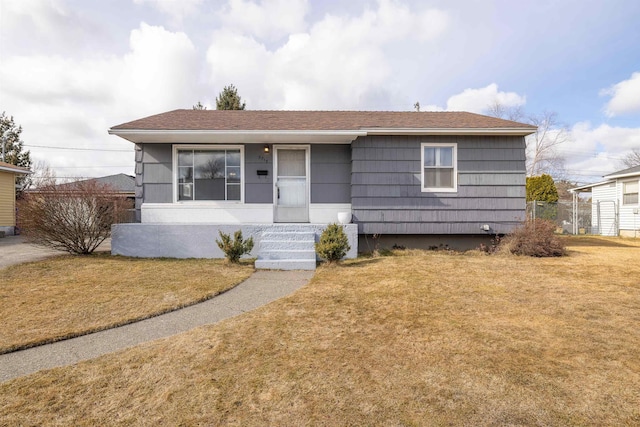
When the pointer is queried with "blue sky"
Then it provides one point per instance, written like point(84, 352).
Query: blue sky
point(73, 68)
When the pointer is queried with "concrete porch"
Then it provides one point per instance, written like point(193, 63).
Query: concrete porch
point(276, 246)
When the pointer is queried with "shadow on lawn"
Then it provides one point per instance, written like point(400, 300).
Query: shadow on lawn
point(596, 241)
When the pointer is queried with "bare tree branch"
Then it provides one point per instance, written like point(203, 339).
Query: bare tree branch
point(631, 159)
point(74, 217)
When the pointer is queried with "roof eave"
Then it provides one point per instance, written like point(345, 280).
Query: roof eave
point(624, 175)
point(284, 136)
point(15, 170)
point(450, 131)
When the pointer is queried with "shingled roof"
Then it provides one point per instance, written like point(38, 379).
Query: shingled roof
point(254, 120)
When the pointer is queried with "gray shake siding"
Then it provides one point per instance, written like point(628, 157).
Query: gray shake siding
point(386, 192)
point(330, 174)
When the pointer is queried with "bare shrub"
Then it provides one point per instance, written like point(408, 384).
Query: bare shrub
point(534, 238)
point(74, 217)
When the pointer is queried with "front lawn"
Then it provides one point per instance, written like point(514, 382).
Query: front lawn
point(68, 296)
point(421, 338)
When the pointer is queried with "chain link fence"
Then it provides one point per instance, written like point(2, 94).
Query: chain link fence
point(564, 214)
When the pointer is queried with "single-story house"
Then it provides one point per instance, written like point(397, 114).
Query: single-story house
point(8, 173)
point(615, 206)
point(397, 178)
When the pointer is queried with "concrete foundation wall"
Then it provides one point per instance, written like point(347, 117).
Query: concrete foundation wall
point(199, 240)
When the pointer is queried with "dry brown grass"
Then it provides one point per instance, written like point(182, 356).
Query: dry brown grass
point(68, 296)
point(418, 339)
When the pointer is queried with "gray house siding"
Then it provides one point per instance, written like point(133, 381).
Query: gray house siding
point(330, 173)
point(386, 191)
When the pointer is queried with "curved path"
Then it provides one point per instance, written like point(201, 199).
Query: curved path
point(261, 288)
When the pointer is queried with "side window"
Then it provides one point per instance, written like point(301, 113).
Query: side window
point(439, 167)
point(630, 193)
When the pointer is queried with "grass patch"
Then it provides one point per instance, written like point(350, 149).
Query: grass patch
point(426, 338)
point(68, 296)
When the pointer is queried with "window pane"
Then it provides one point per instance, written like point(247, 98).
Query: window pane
point(233, 192)
point(429, 156)
point(446, 178)
point(185, 192)
point(233, 158)
point(185, 174)
point(291, 163)
point(430, 178)
point(630, 187)
point(209, 189)
point(233, 174)
point(438, 178)
point(185, 158)
point(209, 164)
point(446, 156)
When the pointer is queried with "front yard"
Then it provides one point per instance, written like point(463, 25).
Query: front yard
point(420, 338)
point(71, 295)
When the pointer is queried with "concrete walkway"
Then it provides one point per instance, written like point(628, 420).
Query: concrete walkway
point(261, 288)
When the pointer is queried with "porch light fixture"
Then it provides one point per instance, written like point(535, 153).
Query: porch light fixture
point(267, 149)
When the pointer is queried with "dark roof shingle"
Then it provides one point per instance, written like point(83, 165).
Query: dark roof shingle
point(253, 120)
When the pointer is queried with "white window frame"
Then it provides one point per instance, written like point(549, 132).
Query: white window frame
point(624, 183)
point(454, 162)
point(175, 173)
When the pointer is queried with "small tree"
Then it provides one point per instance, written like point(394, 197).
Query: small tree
point(541, 188)
point(333, 244)
point(234, 248)
point(229, 99)
point(199, 106)
point(74, 217)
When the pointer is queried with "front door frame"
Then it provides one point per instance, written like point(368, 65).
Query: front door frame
point(307, 149)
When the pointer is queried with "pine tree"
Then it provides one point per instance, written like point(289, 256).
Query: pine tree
point(13, 147)
point(229, 99)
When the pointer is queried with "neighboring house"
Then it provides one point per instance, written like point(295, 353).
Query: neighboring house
point(120, 185)
point(615, 204)
point(8, 175)
point(407, 178)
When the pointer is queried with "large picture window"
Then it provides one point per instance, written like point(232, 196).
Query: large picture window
point(630, 193)
point(439, 167)
point(209, 174)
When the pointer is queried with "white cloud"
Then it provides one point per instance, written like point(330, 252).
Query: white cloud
point(177, 10)
point(338, 63)
point(479, 100)
point(266, 19)
point(625, 96)
point(597, 151)
point(67, 102)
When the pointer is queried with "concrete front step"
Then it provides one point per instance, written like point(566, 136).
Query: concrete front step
point(289, 236)
point(274, 245)
point(287, 248)
point(288, 254)
point(285, 264)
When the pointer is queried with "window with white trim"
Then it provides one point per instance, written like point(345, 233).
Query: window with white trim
point(209, 174)
point(439, 167)
point(630, 193)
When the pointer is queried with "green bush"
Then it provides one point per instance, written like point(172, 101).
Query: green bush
point(333, 244)
point(535, 238)
point(234, 248)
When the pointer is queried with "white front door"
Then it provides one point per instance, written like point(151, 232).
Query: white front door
point(291, 192)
